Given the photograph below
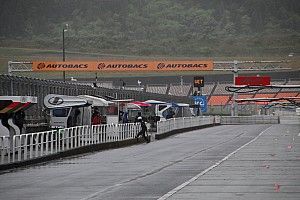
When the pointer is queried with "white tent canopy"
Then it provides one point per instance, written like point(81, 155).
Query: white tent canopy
point(97, 101)
point(154, 102)
point(60, 101)
point(133, 106)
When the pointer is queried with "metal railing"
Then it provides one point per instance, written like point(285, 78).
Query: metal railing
point(35, 145)
point(185, 122)
point(255, 119)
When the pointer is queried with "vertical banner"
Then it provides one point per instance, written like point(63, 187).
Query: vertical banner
point(201, 101)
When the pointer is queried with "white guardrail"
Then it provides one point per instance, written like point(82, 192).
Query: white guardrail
point(34, 145)
point(255, 119)
point(185, 122)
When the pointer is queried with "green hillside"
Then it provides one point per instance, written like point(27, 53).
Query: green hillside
point(133, 29)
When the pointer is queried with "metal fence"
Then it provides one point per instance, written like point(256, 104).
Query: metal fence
point(184, 122)
point(243, 110)
point(35, 145)
point(290, 119)
point(256, 119)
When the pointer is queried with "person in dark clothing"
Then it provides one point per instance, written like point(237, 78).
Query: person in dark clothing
point(136, 119)
point(143, 130)
point(125, 117)
point(170, 114)
point(76, 117)
point(19, 118)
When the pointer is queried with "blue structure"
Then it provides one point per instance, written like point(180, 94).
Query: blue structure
point(202, 101)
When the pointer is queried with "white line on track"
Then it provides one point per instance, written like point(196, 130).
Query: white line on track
point(169, 194)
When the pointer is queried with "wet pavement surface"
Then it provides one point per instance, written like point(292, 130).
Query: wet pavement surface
point(223, 162)
point(268, 168)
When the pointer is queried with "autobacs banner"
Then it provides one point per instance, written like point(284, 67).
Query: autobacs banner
point(123, 66)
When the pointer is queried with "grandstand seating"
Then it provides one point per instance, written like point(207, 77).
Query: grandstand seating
point(291, 82)
point(216, 93)
point(273, 90)
point(218, 100)
point(135, 88)
point(107, 84)
point(180, 90)
point(287, 94)
point(220, 89)
point(219, 96)
point(245, 96)
point(158, 89)
point(208, 88)
point(265, 95)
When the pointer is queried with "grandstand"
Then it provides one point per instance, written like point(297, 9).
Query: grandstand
point(133, 87)
point(105, 84)
point(216, 93)
point(272, 90)
point(180, 90)
point(209, 88)
point(291, 82)
point(265, 95)
point(245, 96)
point(217, 96)
point(287, 94)
point(220, 89)
point(157, 89)
point(217, 100)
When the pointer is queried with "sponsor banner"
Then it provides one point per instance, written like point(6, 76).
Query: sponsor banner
point(62, 66)
point(201, 101)
point(182, 66)
point(253, 80)
point(123, 66)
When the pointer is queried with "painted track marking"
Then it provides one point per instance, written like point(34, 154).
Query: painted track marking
point(172, 192)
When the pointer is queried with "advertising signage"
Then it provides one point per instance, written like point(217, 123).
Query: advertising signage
point(198, 81)
point(253, 80)
point(201, 101)
point(123, 66)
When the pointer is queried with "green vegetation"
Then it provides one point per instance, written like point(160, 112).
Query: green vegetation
point(148, 28)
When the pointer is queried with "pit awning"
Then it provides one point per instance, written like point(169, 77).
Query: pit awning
point(12, 104)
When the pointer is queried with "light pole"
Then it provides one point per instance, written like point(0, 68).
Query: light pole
point(65, 29)
point(234, 106)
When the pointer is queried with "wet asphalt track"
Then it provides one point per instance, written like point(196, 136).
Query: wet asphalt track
point(150, 171)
